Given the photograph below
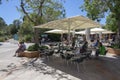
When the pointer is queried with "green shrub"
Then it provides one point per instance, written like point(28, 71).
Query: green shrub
point(2, 39)
point(116, 46)
point(27, 38)
point(43, 47)
point(34, 47)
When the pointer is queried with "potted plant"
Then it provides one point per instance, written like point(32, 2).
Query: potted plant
point(31, 52)
point(114, 49)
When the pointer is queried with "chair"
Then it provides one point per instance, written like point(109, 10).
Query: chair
point(78, 60)
point(66, 57)
point(49, 53)
point(84, 47)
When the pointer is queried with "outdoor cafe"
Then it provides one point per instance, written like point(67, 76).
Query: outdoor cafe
point(73, 50)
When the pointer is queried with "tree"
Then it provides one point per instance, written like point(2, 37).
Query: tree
point(26, 31)
point(2, 23)
point(96, 9)
point(111, 23)
point(41, 11)
point(3, 26)
point(13, 29)
point(0, 1)
point(15, 26)
point(17, 23)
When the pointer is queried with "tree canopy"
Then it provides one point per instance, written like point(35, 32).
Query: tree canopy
point(96, 9)
point(111, 23)
point(0, 1)
point(3, 26)
point(41, 11)
point(37, 12)
point(2, 23)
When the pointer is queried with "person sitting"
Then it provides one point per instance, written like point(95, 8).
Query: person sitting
point(96, 43)
point(22, 48)
point(84, 47)
point(101, 50)
point(73, 42)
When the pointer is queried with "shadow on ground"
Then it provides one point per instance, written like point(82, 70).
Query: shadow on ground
point(103, 68)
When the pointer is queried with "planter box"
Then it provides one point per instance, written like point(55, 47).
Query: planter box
point(29, 54)
point(113, 51)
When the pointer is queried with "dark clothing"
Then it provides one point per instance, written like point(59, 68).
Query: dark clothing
point(84, 47)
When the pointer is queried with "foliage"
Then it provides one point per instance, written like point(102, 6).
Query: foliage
point(1, 33)
point(40, 11)
point(43, 47)
point(2, 39)
point(96, 9)
point(116, 46)
point(2, 24)
point(4, 31)
point(27, 38)
point(34, 47)
point(17, 23)
point(111, 23)
point(26, 31)
point(14, 27)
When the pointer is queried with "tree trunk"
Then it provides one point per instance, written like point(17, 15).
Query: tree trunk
point(36, 36)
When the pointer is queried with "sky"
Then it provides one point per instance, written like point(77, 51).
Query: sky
point(9, 12)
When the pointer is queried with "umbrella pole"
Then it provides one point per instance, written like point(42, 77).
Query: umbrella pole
point(87, 34)
point(69, 32)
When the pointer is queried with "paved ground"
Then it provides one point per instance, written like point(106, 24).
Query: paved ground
point(14, 68)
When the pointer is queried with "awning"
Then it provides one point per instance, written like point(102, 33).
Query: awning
point(78, 22)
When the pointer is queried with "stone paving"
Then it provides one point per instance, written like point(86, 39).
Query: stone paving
point(15, 68)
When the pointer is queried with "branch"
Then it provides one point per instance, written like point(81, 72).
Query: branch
point(39, 14)
point(40, 8)
point(23, 9)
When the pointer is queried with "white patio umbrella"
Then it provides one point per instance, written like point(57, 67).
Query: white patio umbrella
point(77, 22)
point(108, 32)
point(57, 31)
point(73, 23)
point(83, 32)
point(97, 30)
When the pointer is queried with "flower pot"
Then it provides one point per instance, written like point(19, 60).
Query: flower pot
point(113, 51)
point(29, 54)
